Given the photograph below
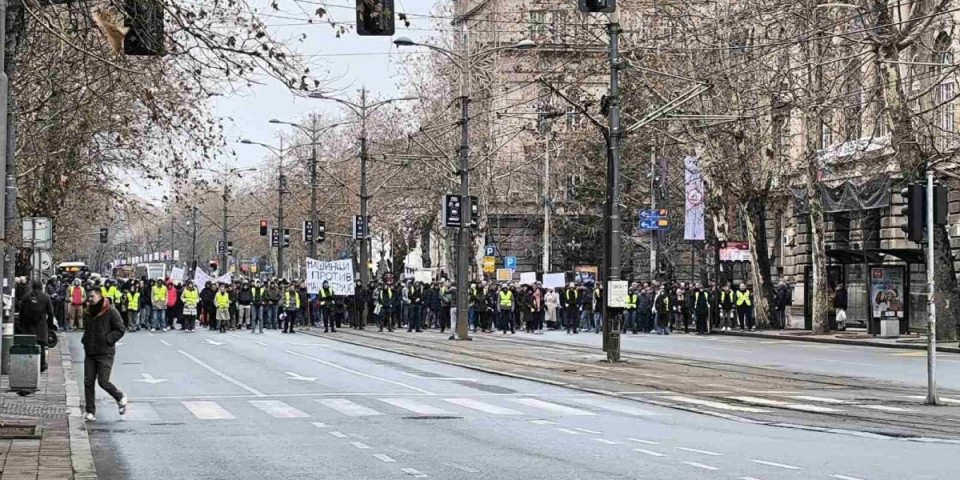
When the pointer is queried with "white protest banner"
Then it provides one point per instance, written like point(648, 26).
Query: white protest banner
point(176, 275)
point(337, 274)
point(423, 276)
point(528, 278)
point(200, 278)
point(226, 278)
point(553, 280)
point(693, 228)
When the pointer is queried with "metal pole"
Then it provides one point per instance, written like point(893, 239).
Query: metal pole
point(931, 301)
point(8, 107)
point(546, 204)
point(364, 259)
point(280, 213)
point(223, 254)
point(612, 241)
point(463, 248)
point(653, 206)
point(193, 241)
point(313, 186)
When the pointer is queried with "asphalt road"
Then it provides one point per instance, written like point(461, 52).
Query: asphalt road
point(887, 364)
point(243, 406)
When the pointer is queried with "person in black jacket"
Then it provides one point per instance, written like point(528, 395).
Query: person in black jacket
point(700, 306)
point(570, 299)
point(37, 318)
point(782, 300)
point(840, 305)
point(207, 297)
point(104, 328)
point(416, 308)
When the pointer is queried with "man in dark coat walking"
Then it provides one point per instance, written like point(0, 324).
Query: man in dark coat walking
point(36, 318)
point(104, 328)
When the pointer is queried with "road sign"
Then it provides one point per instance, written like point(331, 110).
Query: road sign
point(489, 264)
point(504, 274)
point(452, 210)
point(307, 231)
point(490, 250)
point(617, 292)
point(344, 254)
point(220, 248)
point(38, 232)
point(510, 262)
point(653, 220)
point(41, 260)
point(274, 237)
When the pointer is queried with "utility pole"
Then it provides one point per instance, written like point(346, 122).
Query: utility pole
point(193, 240)
point(226, 228)
point(611, 260)
point(279, 212)
point(313, 185)
point(546, 204)
point(931, 299)
point(364, 235)
point(463, 240)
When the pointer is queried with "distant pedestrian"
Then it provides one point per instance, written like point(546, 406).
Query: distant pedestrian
point(37, 318)
point(191, 299)
point(222, 302)
point(291, 307)
point(744, 302)
point(782, 299)
point(840, 305)
point(104, 329)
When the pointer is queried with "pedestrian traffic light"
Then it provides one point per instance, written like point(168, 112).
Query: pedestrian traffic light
point(263, 228)
point(144, 20)
point(230, 249)
point(307, 231)
point(375, 17)
point(914, 211)
point(321, 231)
point(104, 234)
point(597, 6)
point(286, 237)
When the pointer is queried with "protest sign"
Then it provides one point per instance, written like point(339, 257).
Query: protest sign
point(338, 275)
point(553, 280)
point(176, 275)
point(528, 278)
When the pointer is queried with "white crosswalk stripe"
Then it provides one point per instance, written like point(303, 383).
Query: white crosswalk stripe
point(347, 407)
point(786, 405)
point(717, 405)
point(553, 407)
point(481, 406)
point(611, 406)
point(415, 406)
point(208, 410)
point(278, 409)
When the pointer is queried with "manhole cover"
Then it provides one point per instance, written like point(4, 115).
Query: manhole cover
point(19, 431)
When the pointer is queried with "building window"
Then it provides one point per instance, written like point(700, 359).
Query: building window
point(573, 117)
point(826, 131)
point(537, 23)
point(560, 25)
point(945, 115)
point(574, 181)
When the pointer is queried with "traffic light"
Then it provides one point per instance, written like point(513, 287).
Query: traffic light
point(307, 231)
point(321, 231)
point(286, 237)
point(104, 234)
point(914, 211)
point(230, 249)
point(375, 17)
point(144, 19)
point(597, 6)
point(263, 228)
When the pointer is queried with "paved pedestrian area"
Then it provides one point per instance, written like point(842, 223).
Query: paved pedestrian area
point(911, 341)
point(48, 456)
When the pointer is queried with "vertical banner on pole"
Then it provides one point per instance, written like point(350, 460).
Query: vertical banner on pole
point(693, 225)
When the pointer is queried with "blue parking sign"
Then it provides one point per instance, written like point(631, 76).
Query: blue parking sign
point(510, 263)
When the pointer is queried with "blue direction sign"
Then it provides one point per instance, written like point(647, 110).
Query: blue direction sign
point(510, 263)
point(654, 219)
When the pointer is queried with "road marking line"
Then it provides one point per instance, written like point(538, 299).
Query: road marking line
point(383, 458)
point(910, 354)
point(694, 450)
point(587, 430)
point(561, 409)
point(774, 464)
point(258, 342)
point(721, 406)
point(414, 472)
point(604, 440)
point(444, 379)
point(401, 450)
point(843, 477)
point(208, 411)
point(645, 442)
point(278, 409)
point(348, 370)
point(613, 407)
point(338, 434)
point(320, 425)
point(223, 375)
point(462, 468)
point(845, 363)
point(885, 408)
point(567, 430)
point(819, 399)
point(359, 445)
point(165, 342)
point(790, 406)
point(415, 406)
point(347, 407)
point(483, 407)
point(542, 422)
point(700, 465)
point(649, 452)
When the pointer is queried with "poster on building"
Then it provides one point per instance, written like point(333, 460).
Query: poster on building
point(735, 252)
point(693, 224)
point(886, 291)
point(337, 274)
point(585, 274)
point(504, 274)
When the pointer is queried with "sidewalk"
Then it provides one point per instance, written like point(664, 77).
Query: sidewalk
point(912, 342)
point(57, 448)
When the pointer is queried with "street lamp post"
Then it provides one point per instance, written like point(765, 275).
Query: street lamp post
point(225, 229)
point(362, 110)
point(462, 60)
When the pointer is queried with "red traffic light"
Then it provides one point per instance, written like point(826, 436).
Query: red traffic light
point(263, 228)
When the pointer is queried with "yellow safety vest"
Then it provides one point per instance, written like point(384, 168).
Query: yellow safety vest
point(160, 294)
point(287, 303)
point(133, 301)
point(506, 299)
point(222, 300)
point(191, 298)
point(723, 296)
point(575, 294)
point(743, 298)
point(632, 301)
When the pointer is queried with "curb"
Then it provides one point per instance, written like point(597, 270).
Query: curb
point(726, 416)
point(81, 456)
point(837, 341)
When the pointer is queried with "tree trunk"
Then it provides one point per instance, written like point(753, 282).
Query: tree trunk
point(818, 248)
point(760, 260)
point(948, 308)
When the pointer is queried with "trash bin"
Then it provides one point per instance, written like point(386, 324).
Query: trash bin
point(24, 364)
